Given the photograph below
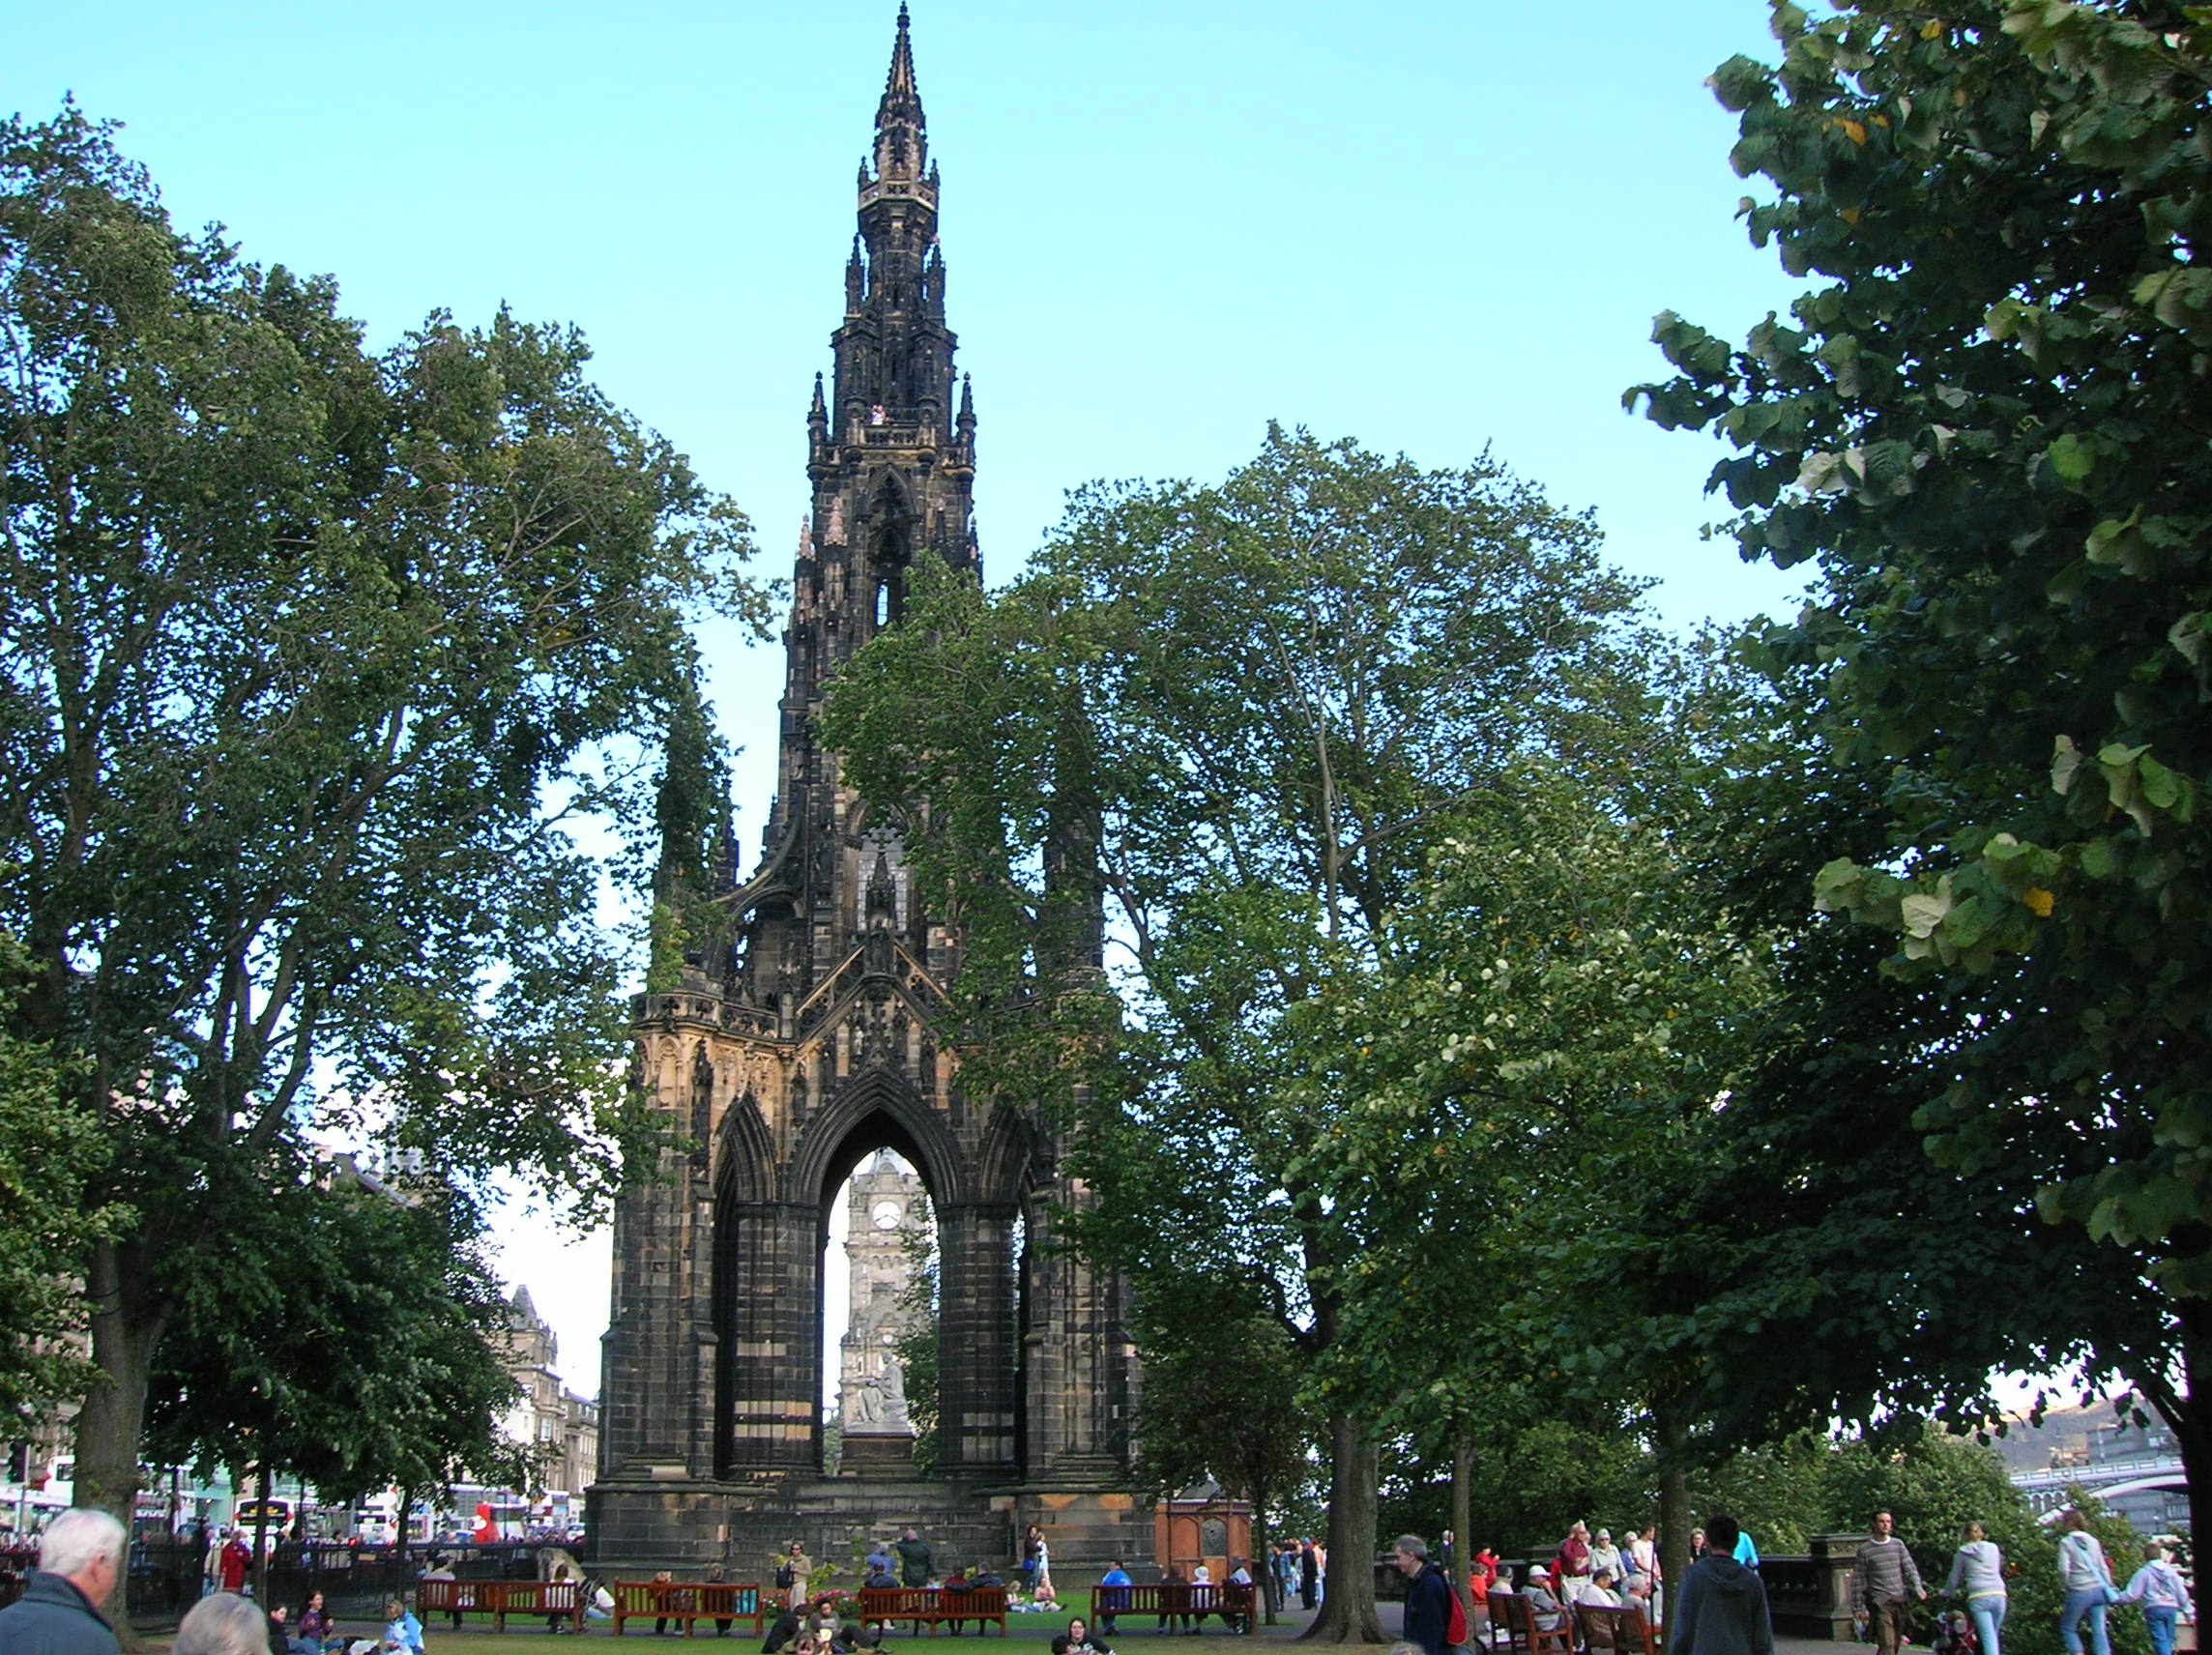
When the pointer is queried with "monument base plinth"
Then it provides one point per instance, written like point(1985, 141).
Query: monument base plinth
point(871, 1455)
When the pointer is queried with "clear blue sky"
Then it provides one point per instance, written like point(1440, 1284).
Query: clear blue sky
point(1428, 226)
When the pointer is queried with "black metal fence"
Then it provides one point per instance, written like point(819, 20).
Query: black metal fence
point(166, 1576)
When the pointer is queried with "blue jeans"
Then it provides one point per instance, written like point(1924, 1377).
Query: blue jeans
point(1989, 1615)
point(2088, 1601)
point(2159, 1618)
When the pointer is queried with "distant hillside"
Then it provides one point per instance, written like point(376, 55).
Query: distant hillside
point(2062, 1436)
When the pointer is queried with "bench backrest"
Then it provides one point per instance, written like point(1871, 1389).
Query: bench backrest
point(445, 1595)
point(1623, 1629)
point(1172, 1597)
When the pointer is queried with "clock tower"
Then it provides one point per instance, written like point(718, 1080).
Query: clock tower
point(888, 1226)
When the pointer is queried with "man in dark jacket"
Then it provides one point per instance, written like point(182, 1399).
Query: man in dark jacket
point(1723, 1606)
point(1428, 1596)
point(915, 1559)
point(80, 1557)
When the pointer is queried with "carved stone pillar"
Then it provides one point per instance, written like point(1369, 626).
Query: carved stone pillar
point(976, 1340)
point(770, 1256)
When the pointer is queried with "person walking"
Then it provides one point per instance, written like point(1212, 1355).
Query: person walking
point(236, 1558)
point(1720, 1608)
point(2087, 1579)
point(1309, 1575)
point(1887, 1573)
point(80, 1556)
point(1428, 1595)
point(1977, 1570)
point(2158, 1587)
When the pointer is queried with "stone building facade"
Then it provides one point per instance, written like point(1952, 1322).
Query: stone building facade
point(806, 1041)
point(560, 1426)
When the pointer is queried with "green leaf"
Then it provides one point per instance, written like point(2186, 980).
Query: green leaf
point(2073, 457)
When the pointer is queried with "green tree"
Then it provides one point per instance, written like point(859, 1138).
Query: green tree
point(1570, 1011)
point(1984, 427)
point(1226, 725)
point(302, 647)
point(352, 1337)
point(50, 1154)
point(916, 1347)
point(1221, 1401)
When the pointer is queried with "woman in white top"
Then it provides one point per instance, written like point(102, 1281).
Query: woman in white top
point(2165, 1598)
point(2088, 1582)
point(1042, 1593)
point(1977, 1569)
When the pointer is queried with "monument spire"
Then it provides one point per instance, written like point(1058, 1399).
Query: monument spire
point(902, 143)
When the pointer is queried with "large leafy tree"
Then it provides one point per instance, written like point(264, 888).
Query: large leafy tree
point(1570, 1011)
point(1225, 726)
point(1221, 1402)
point(51, 1151)
point(351, 1337)
point(298, 646)
point(1985, 425)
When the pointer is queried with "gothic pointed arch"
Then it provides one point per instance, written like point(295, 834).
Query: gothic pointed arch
point(1013, 1151)
point(875, 1109)
point(745, 1156)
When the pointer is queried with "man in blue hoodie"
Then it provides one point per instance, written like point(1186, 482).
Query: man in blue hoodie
point(80, 1555)
point(1722, 1606)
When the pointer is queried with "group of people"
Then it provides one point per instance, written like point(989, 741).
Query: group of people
point(1723, 1602)
point(1300, 1567)
point(1722, 1608)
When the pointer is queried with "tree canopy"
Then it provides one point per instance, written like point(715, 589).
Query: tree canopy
point(309, 654)
point(1226, 726)
point(1983, 427)
point(50, 1153)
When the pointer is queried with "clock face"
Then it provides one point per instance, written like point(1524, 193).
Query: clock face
point(886, 1214)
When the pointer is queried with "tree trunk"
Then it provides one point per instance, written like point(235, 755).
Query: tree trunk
point(261, 1543)
point(2172, 1396)
point(1262, 1562)
point(1673, 1437)
point(1348, 1602)
point(406, 1526)
point(1462, 1516)
point(109, 1424)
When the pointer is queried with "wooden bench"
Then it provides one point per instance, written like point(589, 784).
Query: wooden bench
point(553, 1599)
point(1625, 1630)
point(1522, 1636)
point(933, 1606)
point(688, 1601)
point(1179, 1601)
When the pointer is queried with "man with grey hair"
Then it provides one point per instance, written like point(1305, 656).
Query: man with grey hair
point(225, 1624)
point(80, 1558)
point(1428, 1595)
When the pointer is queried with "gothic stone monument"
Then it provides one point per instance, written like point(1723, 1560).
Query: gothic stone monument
point(802, 1043)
